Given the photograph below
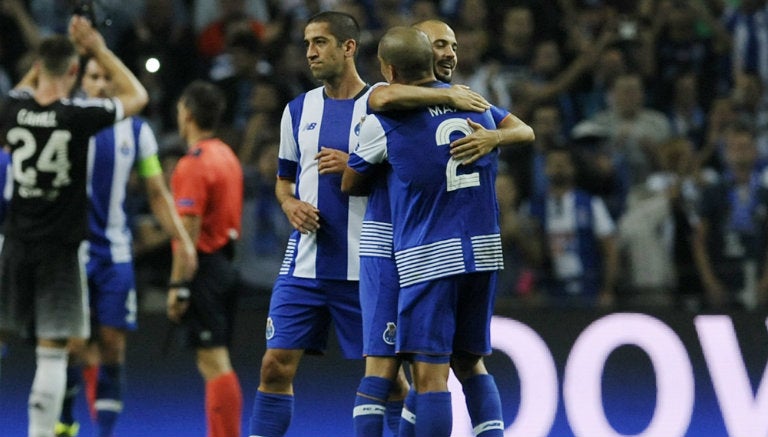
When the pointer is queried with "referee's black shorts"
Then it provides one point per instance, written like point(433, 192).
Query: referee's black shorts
point(213, 301)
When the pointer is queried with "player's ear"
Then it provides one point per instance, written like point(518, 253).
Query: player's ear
point(74, 69)
point(392, 73)
point(350, 47)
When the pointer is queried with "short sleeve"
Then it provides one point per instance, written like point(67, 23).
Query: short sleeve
point(188, 187)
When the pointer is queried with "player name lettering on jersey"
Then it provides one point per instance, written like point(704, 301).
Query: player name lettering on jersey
point(34, 192)
point(434, 111)
point(39, 119)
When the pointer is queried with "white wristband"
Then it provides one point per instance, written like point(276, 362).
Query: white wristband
point(182, 293)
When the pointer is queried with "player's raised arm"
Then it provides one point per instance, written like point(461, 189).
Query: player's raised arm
point(128, 89)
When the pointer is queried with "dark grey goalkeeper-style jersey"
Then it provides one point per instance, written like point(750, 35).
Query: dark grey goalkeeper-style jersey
point(49, 150)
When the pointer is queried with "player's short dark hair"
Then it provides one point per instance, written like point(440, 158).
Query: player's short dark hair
point(205, 103)
point(56, 52)
point(408, 50)
point(343, 26)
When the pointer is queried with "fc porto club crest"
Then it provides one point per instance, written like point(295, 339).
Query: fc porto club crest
point(270, 331)
point(390, 334)
point(125, 148)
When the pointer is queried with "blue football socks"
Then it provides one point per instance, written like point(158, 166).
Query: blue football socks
point(271, 414)
point(74, 384)
point(394, 411)
point(370, 409)
point(408, 415)
point(484, 405)
point(109, 397)
point(435, 416)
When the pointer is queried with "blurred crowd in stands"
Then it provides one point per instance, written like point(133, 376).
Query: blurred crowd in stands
point(645, 184)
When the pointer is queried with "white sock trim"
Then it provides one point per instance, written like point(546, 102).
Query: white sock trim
point(487, 426)
point(369, 409)
point(108, 405)
point(408, 416)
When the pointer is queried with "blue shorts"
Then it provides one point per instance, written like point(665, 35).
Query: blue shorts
point(447, 315)
point(378, 299)
point(112, 291)
point(301, 310)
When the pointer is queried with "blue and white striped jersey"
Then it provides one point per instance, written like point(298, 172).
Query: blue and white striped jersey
point(112, 154)
point(376, 235)
point(309, 122)
point(444, 215)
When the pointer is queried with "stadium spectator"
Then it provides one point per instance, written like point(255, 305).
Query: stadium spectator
point(656, 232)
point(730, 245)
point(581, 253)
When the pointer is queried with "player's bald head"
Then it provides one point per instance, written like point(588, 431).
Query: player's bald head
point(433, 26)
point(409, 51)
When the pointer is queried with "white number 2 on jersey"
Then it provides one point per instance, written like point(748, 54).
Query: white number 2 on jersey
point(443, 133)
point(54, 158)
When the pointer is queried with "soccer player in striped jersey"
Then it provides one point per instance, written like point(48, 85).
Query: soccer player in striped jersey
point(318, 281)
point(47, 133)
point(114, 153)
point(458, 223)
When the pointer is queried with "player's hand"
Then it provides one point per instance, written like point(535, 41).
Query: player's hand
point(87, 39)
point(331, 160)
point(465, 99)
point(469, 149)
point(303, 216)
point(176, 308)
point(13, 8)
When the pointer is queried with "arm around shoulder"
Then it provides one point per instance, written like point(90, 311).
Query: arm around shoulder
point(513, 130)
point(399, 96)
